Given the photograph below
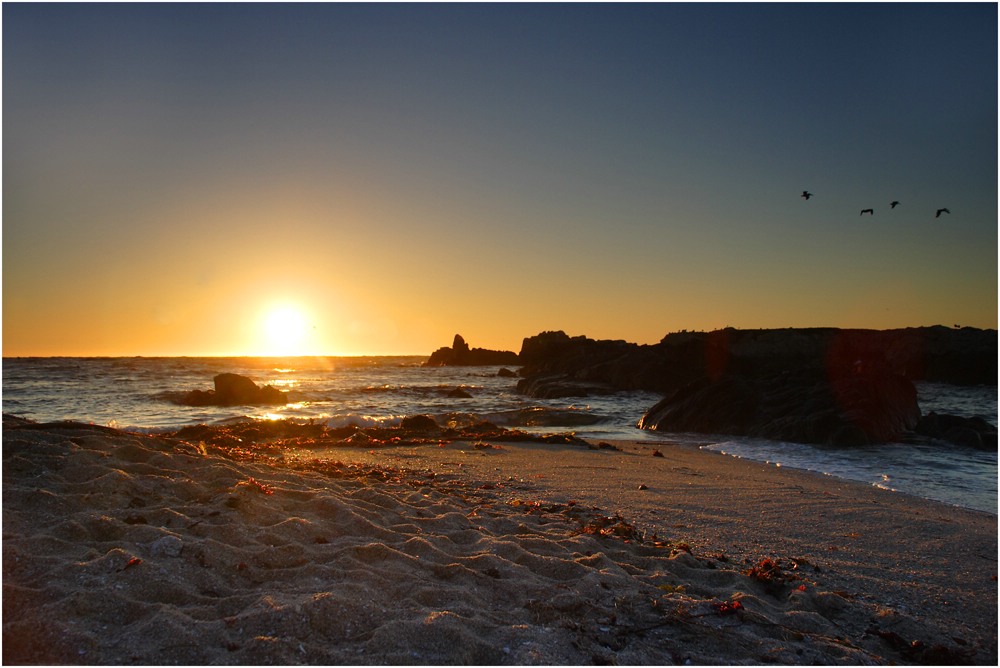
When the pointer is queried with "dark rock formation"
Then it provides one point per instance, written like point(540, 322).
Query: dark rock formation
point(235, 390)
point(558, 365)
point(960, 356)
point(857, 407)
point(418, 423)
point(818, 385)
point(461, 355)
point(555, 385)
point(973, 432)
point(459, 393)
point(814, 385)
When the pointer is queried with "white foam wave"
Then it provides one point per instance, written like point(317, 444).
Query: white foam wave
point(358, 420)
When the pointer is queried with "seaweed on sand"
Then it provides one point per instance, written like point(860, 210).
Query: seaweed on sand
point(267, 434)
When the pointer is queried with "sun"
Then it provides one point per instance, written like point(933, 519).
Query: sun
point(285, 330)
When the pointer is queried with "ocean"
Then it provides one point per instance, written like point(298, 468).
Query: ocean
point(138, 393)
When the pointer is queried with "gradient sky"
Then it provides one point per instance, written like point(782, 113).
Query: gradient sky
point(400, 173)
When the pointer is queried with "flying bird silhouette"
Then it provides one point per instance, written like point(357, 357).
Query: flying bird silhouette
point(940, 211)
point(868, 211)
point(892, 205)
point(806, 194)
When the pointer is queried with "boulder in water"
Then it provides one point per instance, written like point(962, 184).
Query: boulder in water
point(974, 432)
point(232, 389)
point(557, 385)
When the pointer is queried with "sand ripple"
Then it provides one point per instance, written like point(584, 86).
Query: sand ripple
point(121, 548)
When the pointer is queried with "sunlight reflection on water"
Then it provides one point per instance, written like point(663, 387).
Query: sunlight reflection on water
point(133, 393)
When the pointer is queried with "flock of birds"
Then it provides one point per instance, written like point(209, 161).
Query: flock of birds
point(871, 212)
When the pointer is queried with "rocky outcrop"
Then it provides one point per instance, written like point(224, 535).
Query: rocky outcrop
point(816, 385)
point(941, 354)
point(556, 364)
point(235, 390)
point(556, 385)
point(866, 405)
point(974, 432)
point(461, 355)
point(418, 423)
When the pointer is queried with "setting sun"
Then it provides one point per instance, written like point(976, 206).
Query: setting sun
point(285, 330)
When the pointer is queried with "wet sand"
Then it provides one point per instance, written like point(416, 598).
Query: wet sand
point(121, 548)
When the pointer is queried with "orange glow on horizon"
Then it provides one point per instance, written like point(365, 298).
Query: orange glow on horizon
point(285, 330)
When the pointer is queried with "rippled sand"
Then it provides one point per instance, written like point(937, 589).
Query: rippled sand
point(120, 548)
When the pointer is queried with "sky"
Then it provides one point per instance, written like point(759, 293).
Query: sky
point(241, 179)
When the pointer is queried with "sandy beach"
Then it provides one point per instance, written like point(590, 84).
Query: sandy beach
point(127, 549)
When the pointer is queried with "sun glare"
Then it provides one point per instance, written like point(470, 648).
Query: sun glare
point(284, 331)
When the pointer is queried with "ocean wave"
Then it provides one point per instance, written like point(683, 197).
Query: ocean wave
point(137, 429)
point(359, 420)
point(426, 390)
point(171, 396)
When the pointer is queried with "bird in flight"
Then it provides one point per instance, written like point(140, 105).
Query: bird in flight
point(940, 211)
point(868, 211)
point(806, 194)
point(892, 205)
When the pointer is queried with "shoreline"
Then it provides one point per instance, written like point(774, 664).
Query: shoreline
point(705, 499)
point(123, 547)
